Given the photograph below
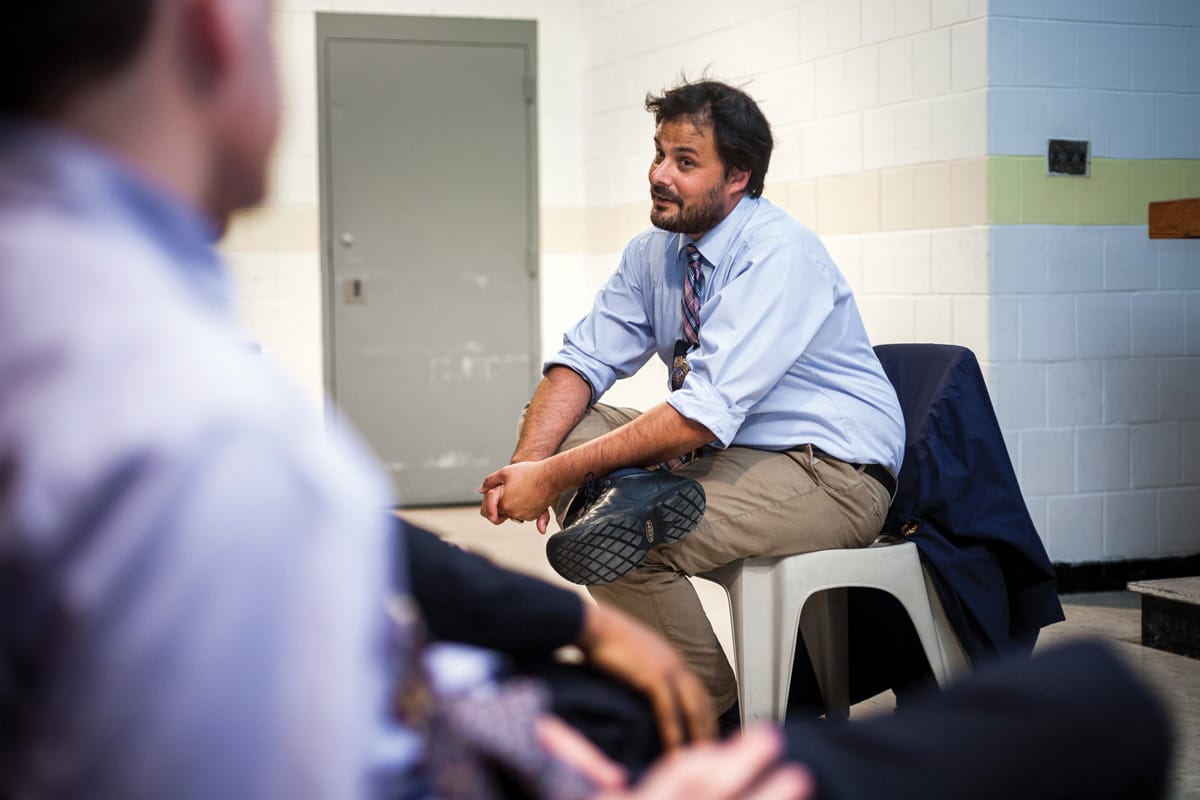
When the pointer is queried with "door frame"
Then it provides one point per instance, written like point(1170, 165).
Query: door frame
point(334, 26)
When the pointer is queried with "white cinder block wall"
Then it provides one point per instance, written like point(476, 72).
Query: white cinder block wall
point(900, 128)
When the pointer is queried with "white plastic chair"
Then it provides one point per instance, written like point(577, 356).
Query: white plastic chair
point(770, 597)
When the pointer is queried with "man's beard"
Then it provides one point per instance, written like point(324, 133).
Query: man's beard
point(699, 217)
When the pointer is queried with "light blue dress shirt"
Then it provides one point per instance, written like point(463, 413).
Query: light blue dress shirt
point(192, 569)
point(783, 358)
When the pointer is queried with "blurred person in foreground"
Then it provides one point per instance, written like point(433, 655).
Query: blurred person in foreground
point(194, 573)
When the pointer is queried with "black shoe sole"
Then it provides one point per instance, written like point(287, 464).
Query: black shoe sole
point(604, 549)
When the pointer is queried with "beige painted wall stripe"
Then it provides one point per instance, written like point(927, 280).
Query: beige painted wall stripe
point(947, 194)
point(936, 195)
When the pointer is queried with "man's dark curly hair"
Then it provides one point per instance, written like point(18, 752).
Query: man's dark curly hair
point(741, 132)
point(57, 46)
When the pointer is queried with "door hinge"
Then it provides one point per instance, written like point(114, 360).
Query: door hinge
point(530, 89)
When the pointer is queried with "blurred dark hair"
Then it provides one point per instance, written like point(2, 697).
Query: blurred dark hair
point(55, 47)
point(741, 132)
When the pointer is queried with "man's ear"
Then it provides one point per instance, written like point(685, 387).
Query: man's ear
point(208, 40)
point(736, 180)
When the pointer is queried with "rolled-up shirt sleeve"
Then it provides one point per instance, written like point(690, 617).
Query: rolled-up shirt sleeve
point(791, 292)
point(615, 338)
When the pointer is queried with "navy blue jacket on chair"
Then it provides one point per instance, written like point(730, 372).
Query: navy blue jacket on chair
point(957, 498)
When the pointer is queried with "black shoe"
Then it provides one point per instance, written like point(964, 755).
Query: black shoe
point(612, 523)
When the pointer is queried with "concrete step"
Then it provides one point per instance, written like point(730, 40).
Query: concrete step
point(1171, 614)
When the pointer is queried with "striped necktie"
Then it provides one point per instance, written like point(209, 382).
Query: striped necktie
point(693, 288)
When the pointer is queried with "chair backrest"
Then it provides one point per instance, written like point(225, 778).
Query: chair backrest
point(919, 373)
point(958, 499)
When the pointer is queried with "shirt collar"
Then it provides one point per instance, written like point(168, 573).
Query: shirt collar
point(48, 164)
point(712, 245)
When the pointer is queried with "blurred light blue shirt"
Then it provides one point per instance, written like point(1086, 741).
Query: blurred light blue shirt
point(783, 358)
point(192, 569)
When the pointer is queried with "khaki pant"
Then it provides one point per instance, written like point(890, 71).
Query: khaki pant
point(758, 503)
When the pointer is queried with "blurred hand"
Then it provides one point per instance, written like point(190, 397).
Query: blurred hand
point(628, 650)
point(573, 749)
point(745, 767)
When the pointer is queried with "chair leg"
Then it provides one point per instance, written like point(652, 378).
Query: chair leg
point(934, 640)
point(823, 625)
point(954, 656)
point(754, 625)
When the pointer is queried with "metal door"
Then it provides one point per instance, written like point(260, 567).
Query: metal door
point(429, 209)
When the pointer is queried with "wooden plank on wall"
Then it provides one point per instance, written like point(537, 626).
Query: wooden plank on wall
point(1175, 219)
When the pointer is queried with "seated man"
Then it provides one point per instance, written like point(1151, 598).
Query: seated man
point(780, 420)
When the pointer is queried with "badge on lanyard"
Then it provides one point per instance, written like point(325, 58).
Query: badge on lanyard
point(679, 364)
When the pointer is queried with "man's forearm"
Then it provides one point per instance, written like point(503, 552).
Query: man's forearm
point(556, 408)
point(527, 487)
point(658, 435)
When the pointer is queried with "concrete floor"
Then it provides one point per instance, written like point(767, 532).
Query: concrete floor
point(1115, 616)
